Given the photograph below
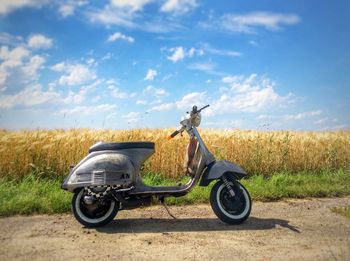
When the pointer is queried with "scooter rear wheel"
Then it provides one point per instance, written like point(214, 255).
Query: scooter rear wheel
point(231, 210)
point(93, 215)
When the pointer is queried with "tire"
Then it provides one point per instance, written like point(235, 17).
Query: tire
point(230, 210)
point(105, 215)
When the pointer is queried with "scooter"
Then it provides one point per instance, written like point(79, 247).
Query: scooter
point(108, 179)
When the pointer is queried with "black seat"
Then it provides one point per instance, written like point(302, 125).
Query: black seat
point(121, 146)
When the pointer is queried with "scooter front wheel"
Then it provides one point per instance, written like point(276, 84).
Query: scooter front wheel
point(230, 209)
point(95, 214)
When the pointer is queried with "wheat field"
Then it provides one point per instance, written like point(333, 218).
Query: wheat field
point(49, 153)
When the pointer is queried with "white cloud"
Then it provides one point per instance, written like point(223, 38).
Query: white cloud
point(221, 52)
point(32, 67)
point(8, 39)
point(8, 6)
point(302, 115)
point(247, 23)
point(90, 110)
point(205, 67)
point(67, 8)
point(110, 15)
point(29, 96)
point(119, 12)
point(178, 6)
point(18, 67)
point(141, 102)
point(179, 53)
point(163, 107)
point(186, 102)
point(250, 22)
point(132, 117)
point(59, 67)
point(80, 96)
point(157, 92)
point(321, 121)
point(74, 74)
point(129, 14)
point(130, 5)
point(247, 94)
point(151, 74)
point(117, 93)
point(39, 41)
point(119, 36)
point(190, 99)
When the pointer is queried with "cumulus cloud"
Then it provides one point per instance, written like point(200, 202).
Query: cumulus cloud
point(178, 6)
point(247, 94)
point(179, 53)
point(67, 8)
point(151, 74)
point(18, 67)
point(74, 74)
point(39, 41)
point(240, 94)
point(119, 36)
point(30, 96)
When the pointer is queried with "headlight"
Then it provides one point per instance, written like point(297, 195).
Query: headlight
point(196, 120)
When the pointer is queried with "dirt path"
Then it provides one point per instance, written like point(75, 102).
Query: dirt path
point(289, 230)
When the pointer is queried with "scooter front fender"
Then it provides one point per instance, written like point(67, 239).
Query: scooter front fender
point(216, 169)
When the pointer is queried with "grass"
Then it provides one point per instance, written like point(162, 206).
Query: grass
point(34, 194)
point(345, 211)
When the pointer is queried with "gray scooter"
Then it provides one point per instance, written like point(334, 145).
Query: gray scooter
point(108, 179)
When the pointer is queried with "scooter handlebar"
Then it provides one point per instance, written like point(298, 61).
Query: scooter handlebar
point(173, 134)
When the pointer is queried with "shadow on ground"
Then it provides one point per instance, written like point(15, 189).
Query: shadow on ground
point(163, 225)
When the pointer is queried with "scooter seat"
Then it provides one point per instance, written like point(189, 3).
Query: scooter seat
point(99, 146)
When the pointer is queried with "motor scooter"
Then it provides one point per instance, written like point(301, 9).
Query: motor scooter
point(108, 179)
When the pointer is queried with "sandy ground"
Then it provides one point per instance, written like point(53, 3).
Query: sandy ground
point(286, 230)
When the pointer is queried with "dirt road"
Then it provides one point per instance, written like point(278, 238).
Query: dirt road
point(286, 230)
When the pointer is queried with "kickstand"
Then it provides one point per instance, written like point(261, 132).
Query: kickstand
point(161, 199)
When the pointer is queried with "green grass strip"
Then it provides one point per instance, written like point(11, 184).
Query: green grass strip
point(33, 195)
point(345, 211)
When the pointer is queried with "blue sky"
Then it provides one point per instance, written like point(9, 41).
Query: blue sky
point(142, 63)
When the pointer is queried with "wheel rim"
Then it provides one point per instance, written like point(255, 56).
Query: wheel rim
point(234, 207)
point(96, 215)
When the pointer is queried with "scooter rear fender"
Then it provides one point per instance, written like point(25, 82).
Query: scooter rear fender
point(217, 169)
point(101, 168)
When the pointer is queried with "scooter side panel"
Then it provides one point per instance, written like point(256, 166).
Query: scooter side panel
point(101, 169)
point(219, 168)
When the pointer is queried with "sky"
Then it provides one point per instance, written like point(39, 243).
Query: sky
point(120, 64)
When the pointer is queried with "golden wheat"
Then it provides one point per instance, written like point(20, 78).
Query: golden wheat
point(51, 152)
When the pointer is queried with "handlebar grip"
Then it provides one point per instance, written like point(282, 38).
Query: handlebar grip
point(206, 106)
point(173, 134)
